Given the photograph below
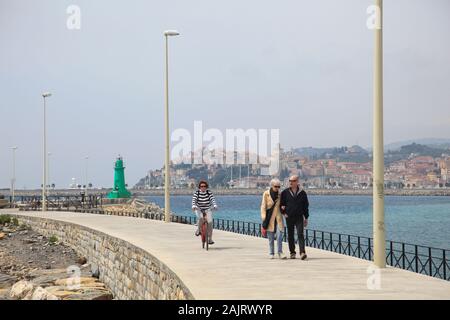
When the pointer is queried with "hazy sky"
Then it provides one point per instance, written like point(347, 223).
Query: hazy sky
point(304, 66)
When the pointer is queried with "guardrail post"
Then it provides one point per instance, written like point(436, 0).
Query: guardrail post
point(416, 257)
point(444, 263)
point(314, 239)
point(349, 246)
point(369, 246)
point(431, 260)
point(359, 247)
point(323, 241)
point(331, 242)
point(403, 255)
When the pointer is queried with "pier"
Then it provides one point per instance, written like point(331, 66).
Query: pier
point(237, 266)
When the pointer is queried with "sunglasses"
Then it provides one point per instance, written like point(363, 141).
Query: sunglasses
point(202, 186)
point(277, 186)
point(293, 180)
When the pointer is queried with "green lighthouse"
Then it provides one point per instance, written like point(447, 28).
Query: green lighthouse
point(119, 190)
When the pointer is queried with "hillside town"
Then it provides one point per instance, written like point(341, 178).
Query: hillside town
point(338, 168)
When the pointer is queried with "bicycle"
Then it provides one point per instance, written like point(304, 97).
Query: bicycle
point(204, 231)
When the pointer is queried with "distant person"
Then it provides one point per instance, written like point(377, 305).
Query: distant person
point(295, 207)
point(272, 220)
point(203, 199)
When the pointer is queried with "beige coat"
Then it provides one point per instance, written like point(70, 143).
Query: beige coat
point(267, 203)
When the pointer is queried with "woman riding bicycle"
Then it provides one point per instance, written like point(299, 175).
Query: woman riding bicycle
point(203, 201)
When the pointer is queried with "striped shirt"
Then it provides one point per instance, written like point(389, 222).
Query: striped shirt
point(203, 200)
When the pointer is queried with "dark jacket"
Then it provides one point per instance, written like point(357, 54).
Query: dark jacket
point(297, 205)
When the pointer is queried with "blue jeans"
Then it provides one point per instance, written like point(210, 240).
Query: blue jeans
point(271, 236)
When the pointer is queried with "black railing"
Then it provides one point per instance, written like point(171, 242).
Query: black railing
point(61, 202)
point(429, 261)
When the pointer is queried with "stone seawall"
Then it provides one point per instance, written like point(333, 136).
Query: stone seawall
point(128, 271)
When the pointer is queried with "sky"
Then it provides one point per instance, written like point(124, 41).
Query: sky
point(301, 66)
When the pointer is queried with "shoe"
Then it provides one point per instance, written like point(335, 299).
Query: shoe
point(197, 233)
point(211, 242)
point(303, 256)
point(282, 256)
point(293, 255)
point(272, 256)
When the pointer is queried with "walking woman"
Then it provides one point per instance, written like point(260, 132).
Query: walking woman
point(272, 218)
point(203, 200)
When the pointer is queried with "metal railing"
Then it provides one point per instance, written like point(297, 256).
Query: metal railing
point(429, 261)
point(61, 202)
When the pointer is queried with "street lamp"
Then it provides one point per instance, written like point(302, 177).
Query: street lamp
point(44, 165)
point(48, 173)
point(86, 174)
point(167, 34)
point(379, 237)
point(13, 179)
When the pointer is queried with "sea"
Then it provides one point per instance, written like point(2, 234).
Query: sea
point(421, 220)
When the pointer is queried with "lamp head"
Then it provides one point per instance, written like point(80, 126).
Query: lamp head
point(46, 94)
point(169, 33)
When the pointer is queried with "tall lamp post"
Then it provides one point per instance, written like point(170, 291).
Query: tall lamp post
point(167, 34)
point(44, 153)
point(379, 238)
point(13, 179)
point(49, 184)
point(86, 174)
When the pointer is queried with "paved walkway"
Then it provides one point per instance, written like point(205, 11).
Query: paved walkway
point(238, 267)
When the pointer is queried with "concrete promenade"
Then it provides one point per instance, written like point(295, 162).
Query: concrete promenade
point(238, 267)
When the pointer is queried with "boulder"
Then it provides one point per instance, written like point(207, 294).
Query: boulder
point(20, 289)
point(61, 292)
point(91, 295)
point(42, 294)
point(2, 236)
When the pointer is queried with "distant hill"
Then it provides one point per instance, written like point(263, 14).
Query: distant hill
point(416, 149)
point(439, 143)
point(342, 154)
point(397, 151)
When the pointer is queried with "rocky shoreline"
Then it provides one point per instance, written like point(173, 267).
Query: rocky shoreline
point(34, 267)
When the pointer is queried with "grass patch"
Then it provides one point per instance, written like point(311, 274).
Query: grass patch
point(4, 218)
point(53, 239)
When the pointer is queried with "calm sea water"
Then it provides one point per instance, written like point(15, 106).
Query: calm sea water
point(419, 220)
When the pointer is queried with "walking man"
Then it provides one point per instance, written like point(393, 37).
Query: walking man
point(295, 207)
